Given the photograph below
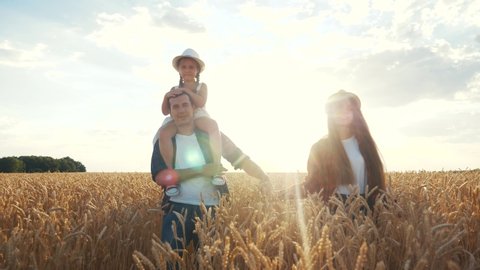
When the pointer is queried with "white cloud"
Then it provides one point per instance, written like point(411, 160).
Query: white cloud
point(400, 77)
point(132, 35)
point(270, 66)
point(425, 133)
point(76, 56)
point(448, 121)
point(457, 13)
point(15, 56)
point(140, 34)
point(105, 19)
point(472, 92)
point(180, 18)
point(421, 22)
point(383, 5)
point(351, 12)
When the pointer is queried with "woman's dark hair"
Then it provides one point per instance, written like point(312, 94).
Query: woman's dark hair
point(339, 167)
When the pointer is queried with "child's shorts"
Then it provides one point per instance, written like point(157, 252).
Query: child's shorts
point(200, 112)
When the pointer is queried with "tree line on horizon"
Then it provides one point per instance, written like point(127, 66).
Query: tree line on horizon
point(33, 164)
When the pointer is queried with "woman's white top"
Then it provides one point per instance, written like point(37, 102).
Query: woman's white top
point(358, 166)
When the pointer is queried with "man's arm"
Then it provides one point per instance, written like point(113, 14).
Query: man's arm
point(158, 165)
point(241, 161)
point(207, 170)
point(229, 151)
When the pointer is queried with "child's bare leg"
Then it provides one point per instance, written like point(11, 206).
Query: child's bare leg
point(210, 126)
point(166, 145)
point(166, 150)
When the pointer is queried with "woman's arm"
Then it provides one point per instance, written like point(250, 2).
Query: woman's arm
point(318, 180)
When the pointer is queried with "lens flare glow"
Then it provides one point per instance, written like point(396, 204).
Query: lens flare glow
point(194, 159)
point(301, 220)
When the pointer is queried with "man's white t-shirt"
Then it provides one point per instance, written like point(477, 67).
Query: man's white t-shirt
point(358, 166)
point(194, 190)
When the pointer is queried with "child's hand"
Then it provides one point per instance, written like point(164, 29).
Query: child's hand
point(212, 169)
point(184, 90)
point(174, 92)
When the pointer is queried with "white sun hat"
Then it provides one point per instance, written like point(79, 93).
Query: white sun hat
point(189, 53)
point(339, 96)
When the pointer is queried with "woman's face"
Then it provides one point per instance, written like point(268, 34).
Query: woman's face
point(342, 113)
point(188, 69)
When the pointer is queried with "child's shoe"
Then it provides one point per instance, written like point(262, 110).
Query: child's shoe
point(172, 191)
point(219, 180)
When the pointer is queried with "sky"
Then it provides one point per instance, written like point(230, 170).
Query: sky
point(86, 79)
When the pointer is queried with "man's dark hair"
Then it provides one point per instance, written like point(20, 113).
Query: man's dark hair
point(183, 93)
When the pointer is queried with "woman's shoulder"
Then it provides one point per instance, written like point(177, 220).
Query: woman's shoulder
point(322, 142)
point(321, 145)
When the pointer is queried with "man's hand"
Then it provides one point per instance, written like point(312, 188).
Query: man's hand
point(265, 185)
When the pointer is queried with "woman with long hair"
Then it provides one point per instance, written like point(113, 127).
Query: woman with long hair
point(347, 157)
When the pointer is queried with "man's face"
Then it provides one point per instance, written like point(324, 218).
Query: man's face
point(181, 110)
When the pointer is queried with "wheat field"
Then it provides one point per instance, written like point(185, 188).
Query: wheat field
point(428, 220)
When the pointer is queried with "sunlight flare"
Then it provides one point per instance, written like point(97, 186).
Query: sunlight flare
point(301, 221)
